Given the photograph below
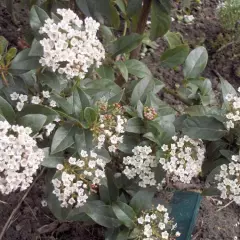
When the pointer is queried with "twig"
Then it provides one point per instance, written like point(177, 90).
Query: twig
point(4, 79)
point(141, 25)
point(220, 209)
point(8, 223)
point(225, 46)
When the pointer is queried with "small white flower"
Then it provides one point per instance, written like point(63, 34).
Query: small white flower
point(44, 203)
point(20, 106)
point(84, 153)
point(46, 94)
point(161, 225)
point(35, 100)
point(178, 234)
point(14, 96)
point(165, 235)
point(52, 103)
point(49, 128)
point(140, 220)
point(59, 167)
point(23, 98)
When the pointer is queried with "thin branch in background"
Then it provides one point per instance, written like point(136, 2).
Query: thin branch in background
point(220, 209)
point(142, 25)
point(9, 221)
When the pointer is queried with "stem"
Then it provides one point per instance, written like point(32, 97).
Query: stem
point(125, 28)
point(220, 209)
point(173, 93)
point(141, 25)
point(4, 79)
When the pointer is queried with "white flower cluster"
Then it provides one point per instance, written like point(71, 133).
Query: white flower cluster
point(183, 159)
point(233, 115)
point(110, 127)
point(140, 165)
point(188, 18)
point(71, 46)
point(21, 98)
point(229, 180)
point(19, 157)
point(157, 225)
point(76, 176)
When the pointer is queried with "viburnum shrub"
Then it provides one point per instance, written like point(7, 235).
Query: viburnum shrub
point(80, 104)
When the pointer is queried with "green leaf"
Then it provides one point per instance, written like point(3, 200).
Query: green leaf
point(124, 213)
point(103, 215)
point(122, 6)
point(211, 191)
point(36, 49)
point(135, 125)
point(174, 39)
point(37, 19)
point(175, 56)
point(80, 101)
point(34, 121)
point(117, 98)
point(133, 6)
point(140, 90)
point(206, 128)
point(142, 200)
point(106, 72)
point(123, 69)
point(6, 110)
point(137, 68)
point(51, 160)
point(63, 103)
point(195, 62)
point(62, 139)
point(90, 115)
point(227, 88)
point(160, 19)
point(50, 79)
point(23, 63)
point(125, 44)
point(3, 45)
point(140, 109)
point(112, 187)
point(10, 55)
point(36, 109)
point(100, 10)
point(83, 140)
point(123, 235)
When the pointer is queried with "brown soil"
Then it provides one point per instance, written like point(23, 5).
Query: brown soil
point(31, 217)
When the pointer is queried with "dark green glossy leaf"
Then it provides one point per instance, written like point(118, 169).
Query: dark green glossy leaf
point(137, 68)
point(90, 115)
point(227, 88)
point(36, 49)
point(140, 90)
point(106, 72)
point(160, 19)
point(51, 160)
point(62, 139)
point(23, 63)
point(34, 121)
point(36, 109)
point(195, 62)
point(123, 69)
point(3, 45)
point(37, 19)
point(175, 56)
point(206, 128)
point(125, 44)
point(135, 125)
point(124, 213)
point(6, 110)
point(174, 39)
point(80, 101)
point(133, 6)
point(142, 200)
